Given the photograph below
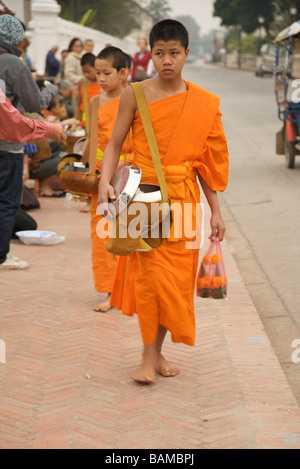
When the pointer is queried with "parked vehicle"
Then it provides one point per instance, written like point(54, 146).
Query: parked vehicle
point(288, 138)
point(265, 60)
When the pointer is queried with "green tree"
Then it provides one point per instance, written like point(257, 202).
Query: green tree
point(115, 17)
point(159, 10)
point(246, 13)
point(285, 6)
point(226, 10)
point(250, 11)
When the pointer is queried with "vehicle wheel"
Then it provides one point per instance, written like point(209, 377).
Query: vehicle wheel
point(290, 152)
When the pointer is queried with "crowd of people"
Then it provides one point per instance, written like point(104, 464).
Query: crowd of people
point(157, 284)
point(53, 102)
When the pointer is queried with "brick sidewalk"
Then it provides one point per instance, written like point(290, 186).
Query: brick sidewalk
point(66, 383)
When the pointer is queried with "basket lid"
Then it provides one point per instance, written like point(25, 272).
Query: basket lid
point(125, 183)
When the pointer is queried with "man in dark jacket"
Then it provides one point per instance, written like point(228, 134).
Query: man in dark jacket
point(52, 64)
point(24, 94)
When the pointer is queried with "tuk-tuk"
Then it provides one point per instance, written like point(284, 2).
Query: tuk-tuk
point(288, 100)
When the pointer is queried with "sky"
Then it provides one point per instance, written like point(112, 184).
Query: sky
point(201, 10)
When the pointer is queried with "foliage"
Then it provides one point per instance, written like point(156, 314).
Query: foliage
point(245, 13)
point(226, 10)
point(249, 44)
point(276, 14)
point(284, 17)
point(159, 10)
point(115, 17)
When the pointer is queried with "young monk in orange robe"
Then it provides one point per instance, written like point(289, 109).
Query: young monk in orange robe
point(111, 72)
point(93, 88)
point(159, 285)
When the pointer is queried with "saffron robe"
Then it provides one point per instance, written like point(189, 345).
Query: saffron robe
point(159, 285)
point(104, 264)
point(92, 90)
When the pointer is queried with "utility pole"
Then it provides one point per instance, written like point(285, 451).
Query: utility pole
point(239, 30)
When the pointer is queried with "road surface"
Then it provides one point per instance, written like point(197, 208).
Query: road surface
point(262, 196)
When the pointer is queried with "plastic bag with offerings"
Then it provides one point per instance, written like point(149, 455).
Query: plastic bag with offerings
point(212, 280)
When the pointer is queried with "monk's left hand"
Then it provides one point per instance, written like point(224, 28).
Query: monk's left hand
point(106, 194)
point(217, 227)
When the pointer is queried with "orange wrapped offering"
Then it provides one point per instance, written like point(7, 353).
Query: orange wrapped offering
point(212, 280)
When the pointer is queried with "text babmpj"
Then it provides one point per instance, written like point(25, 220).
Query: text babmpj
point(144, 220)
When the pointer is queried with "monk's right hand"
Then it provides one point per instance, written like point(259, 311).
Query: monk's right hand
point(106, 194)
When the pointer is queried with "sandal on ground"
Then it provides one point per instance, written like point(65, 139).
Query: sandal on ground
point(55, 194)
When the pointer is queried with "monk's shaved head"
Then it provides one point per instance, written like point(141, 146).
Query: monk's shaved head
point(169, 30)
point(117, 57)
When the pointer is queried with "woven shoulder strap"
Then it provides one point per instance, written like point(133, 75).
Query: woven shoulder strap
point(93, 132)
point(146, 120)
point(86, 104)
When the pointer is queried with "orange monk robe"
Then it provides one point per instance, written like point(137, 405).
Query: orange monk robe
point(92, 90)
point(104, 263)
point(159, 285)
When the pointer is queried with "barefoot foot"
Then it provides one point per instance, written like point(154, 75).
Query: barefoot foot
point(146, 374)
point(104, 306)
point(86, 208)
point(165, 368)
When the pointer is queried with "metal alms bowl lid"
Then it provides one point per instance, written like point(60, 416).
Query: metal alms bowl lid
point(125, 183)
point(78, 146)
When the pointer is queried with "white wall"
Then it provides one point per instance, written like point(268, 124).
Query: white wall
point(17, 7)
point(67, 30)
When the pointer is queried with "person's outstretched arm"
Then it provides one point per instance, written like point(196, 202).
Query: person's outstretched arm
point(17, 128)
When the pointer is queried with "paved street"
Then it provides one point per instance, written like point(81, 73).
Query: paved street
point(66, 381)
point(263, 194)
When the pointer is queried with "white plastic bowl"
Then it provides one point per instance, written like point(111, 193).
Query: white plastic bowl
point(35, 236)
point(76, 133)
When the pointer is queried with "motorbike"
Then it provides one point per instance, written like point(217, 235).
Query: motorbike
point(287, 97)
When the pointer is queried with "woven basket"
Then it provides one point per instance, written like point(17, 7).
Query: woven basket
point(84, 181)
point(79, 181)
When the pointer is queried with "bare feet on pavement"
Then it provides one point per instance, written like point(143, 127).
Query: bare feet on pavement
point(86, 208)
point(165, 368)
point(146, 374)
point(104, 306)
point(152, 364)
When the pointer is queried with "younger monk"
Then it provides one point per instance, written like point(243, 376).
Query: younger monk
point(189, 133)
point(129, 69)
point(111, 74)
point(93, 88)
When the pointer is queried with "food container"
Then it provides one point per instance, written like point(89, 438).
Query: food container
point(78, 146)
point(79, 181)
point(67, 160)
point(130, 191)
point(125, 183)
point(35, 236)
point(73, 136)
point(127, 187)
point(148, 193)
